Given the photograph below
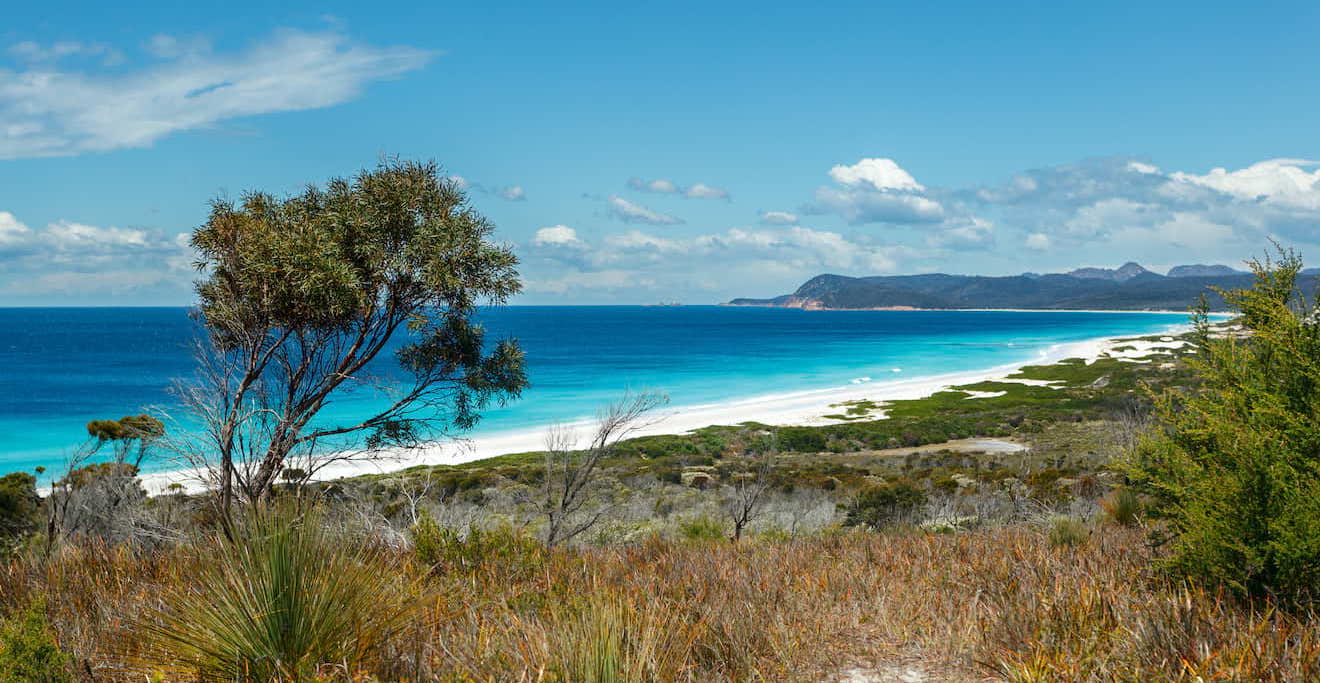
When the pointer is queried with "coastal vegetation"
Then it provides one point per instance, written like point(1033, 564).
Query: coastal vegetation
point(1146, 514)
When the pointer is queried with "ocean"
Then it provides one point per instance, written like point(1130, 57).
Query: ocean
point(60, 367)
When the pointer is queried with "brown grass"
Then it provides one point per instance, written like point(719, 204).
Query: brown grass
point(997, 604)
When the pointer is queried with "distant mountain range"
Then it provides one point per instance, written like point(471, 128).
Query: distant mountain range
point(1128, 287)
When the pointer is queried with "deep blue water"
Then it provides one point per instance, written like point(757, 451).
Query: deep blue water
point(60, 367)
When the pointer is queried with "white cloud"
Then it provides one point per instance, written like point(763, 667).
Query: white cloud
point(1135, 209)
point(638, 241)
point(602, 280)
point(877, 191)
point(12, 231)
point(30, 51)
point(704, 191)
point(628, 212)
point(659, 185)
point(116, 282)
point(1186, 230)
point(965, 233)
point(878, 174)
point(795, 249)
point(64, 256)
point(513, 193)
point(871, 206)
point(1038, 241)
point(557, 236)
point(49, 111)
point(79, 236)
point(778, 218)
point(1283, 182)
point(459, 181)
point(666, 186)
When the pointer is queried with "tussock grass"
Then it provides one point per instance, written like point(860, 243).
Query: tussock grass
point(999, 602)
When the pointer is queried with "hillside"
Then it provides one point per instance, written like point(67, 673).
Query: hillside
point(1130, 287)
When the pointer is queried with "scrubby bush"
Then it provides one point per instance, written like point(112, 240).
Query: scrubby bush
point(28, 651)
point(446, 549)
point(701, 528)
point(18, 507)
point(1235, 465)
point(876, 506)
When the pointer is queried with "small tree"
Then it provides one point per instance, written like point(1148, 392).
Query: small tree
point(302, 294)
point(570, 499)
point(103, 499)
point(745, 499)
point(132, 437)
point(1235, 465)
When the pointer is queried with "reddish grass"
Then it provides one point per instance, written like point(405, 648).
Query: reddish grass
point(997, 604)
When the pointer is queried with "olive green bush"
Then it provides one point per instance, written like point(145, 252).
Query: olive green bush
point(1235, 466)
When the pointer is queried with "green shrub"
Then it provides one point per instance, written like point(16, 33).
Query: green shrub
point(701, 528)
point(1235, 466)
point(877, 506)
point(282, 600)
point(1067, 531)
point(445, 549)
point(28, 651)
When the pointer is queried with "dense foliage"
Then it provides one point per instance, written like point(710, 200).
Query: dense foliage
point(19, 505)
point(302, 294)
point(28, 651)
point(1236, 468)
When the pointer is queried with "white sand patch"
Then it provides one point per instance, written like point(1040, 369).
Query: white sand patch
point(982, 394)
point(1122, 349)
point(1047, 383)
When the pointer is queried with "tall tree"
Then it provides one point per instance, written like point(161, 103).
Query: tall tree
point(301, 294)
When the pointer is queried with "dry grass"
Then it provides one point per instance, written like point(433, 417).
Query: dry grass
point(996, 604)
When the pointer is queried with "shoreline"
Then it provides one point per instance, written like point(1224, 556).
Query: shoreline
point(806, 407)
point(914, 309)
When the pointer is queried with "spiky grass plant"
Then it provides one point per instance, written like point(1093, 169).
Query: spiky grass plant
point(611, 640)
point(1123, 507)
point(1067, 531)
point(280, 600)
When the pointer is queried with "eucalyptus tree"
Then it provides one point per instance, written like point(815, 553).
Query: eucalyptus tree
point(301, 294)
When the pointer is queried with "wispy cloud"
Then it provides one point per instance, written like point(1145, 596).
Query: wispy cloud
point(49, 110)
point(69, 257)
point(778, 218)
point(666, 186)
point(737, 257)
point(513, 193)
point(628, 212)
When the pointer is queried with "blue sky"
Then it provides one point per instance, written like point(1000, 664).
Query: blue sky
point(671, 150)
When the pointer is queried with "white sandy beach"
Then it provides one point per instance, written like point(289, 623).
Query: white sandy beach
point(798, 408)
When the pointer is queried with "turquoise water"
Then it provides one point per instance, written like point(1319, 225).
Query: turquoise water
point(60, 367)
